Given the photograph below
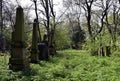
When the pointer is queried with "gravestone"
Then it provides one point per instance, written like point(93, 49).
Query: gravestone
point(43, 49)
point(34, 48)
point(19, 59)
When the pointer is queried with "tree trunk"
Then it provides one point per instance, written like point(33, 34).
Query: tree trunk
point(1, 24)
point(108, 52)
point(37, 22)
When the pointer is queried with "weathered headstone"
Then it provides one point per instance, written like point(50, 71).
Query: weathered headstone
point(43, 49)
point(34, 48)
point(19, 59)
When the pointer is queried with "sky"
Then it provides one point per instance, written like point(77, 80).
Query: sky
point(58, 5)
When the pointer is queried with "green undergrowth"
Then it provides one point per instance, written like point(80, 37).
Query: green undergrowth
point(67, 65)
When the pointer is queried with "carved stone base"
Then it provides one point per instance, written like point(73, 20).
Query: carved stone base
point(19, 60)
point(17, 64)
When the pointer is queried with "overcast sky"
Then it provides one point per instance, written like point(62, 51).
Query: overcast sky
point(58, 5)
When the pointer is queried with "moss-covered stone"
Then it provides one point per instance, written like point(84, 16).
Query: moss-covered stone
point(34, 48)
point(19, 59)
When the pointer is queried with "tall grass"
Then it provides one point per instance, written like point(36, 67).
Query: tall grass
point(67, 65)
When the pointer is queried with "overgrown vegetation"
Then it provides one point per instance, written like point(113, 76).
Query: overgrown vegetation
point(67, 65)
point(89, 26)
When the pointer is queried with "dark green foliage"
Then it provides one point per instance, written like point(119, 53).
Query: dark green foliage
point(78, 35)
point(7, 34)
point(62, 39)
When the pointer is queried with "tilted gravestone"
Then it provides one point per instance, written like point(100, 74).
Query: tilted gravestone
point(19, 59)
point(34, 48)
